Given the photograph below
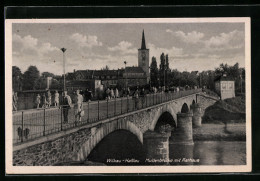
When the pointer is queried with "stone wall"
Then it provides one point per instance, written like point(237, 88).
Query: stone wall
point(51, 152)
point(205, 101)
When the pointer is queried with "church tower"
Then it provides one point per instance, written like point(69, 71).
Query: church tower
point(143, 58)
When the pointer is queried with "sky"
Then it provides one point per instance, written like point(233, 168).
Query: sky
point(190, 46)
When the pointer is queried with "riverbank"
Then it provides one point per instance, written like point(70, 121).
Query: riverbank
point(220, 132)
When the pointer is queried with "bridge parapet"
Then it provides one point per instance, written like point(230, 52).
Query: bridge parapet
point(33, 124)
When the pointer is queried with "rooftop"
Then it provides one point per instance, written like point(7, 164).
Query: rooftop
point(224, 78)
point(134, 70)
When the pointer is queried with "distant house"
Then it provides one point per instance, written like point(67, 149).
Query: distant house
point(135, 76)
point(225, 86)
point(92, 85)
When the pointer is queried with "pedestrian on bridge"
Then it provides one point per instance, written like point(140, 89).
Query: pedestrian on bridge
point(15, 101)
point(56, 99)
point(116, 93)
point(142, 95)
point(136, 98)
point(108, 93)
point(38, 101)
point(49, 98)
point(78, 107)
point(112, 94)
point(44, 101)
point(66, 105)
point(128, 92)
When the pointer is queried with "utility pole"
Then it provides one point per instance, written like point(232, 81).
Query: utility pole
point(125, 75)
point(64, 73)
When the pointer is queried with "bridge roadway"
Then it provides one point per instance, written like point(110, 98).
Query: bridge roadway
point(42, 122)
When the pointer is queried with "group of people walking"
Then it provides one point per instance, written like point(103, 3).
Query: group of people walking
point(78, 106)
point(111, 93)
point(45, 100)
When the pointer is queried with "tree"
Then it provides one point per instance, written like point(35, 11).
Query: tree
point(154, 73)
point(105, 68)
point(167, 69)
point(30, 78)
point(56, 84)
point(17, 78)
point(47, 74)
point(232, 71)
point(162, 69)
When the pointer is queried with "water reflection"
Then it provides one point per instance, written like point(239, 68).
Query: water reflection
point(221, 152)
point(209, 153)
point(180, 153)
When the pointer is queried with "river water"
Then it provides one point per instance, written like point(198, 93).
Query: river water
point(209, 153)
point(122, 148)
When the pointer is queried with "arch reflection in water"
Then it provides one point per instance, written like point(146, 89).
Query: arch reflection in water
point(120, 147)
point(181, 154)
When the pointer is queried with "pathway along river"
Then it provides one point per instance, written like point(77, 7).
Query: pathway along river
point(123, 148)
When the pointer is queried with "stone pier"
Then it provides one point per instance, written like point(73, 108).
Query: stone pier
point(156, 146)
point(183, 133)
point(197, 113)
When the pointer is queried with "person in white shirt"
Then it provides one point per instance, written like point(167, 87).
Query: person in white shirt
point(112, 94)
point(38, 101)
point(117, 93)
point(56, 99)
point(78, 107)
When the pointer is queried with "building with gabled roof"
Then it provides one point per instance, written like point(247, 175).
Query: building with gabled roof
point(225, 86)
point(130, 76)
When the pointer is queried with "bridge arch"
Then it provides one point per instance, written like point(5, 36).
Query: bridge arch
point(163, 111)
point(165, 118)
point(118, 145)
point(185, 108)
point(102, 132)
point(193, 102)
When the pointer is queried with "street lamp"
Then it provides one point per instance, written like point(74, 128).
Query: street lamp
point(125, 75)
point(150, 76)
point(63, 50)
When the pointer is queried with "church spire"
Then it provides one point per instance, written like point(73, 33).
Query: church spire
point(143, 46)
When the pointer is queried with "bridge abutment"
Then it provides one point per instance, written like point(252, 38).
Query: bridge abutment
point(183, 133)
point(197, 113)
point(156, 146)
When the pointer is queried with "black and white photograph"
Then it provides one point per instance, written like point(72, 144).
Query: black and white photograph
point(157, 95)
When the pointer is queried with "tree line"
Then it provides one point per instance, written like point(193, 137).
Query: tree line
point(31, 79)
point(162, 75)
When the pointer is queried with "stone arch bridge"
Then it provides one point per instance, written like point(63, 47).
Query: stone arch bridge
point(147, 124)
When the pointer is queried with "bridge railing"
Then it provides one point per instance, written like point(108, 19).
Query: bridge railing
point(29, 125)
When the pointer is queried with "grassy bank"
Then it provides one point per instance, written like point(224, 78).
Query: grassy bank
point(224, 120)
point(220, 132)
point(226, 111)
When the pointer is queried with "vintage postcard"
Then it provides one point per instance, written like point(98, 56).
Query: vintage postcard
point(157, 95)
